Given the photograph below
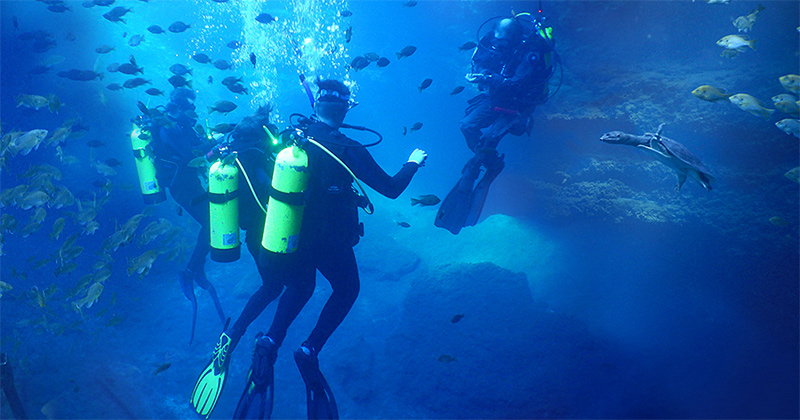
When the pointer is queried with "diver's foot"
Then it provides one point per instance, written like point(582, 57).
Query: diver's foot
point(319, 397)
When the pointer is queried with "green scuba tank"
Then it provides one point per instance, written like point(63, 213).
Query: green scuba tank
point(223, 186)
point(146, 169)
point(286, 205)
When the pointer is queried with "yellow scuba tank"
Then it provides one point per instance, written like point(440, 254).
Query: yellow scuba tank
point(286, 205)
point(142, 153)
point(223, 186)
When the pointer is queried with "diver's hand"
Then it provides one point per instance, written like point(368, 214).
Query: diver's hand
point(418, 156)
point(475, 77)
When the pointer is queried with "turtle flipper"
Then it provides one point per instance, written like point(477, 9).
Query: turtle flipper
point(681, 180)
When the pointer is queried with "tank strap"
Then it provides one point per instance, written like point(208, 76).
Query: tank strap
point(292, 199)
point(217, 198)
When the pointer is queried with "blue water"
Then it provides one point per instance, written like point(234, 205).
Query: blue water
point(590, 288)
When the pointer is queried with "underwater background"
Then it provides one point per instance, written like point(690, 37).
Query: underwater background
point(589, 289)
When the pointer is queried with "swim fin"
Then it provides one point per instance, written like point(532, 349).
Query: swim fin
point(256, 400)
point(319, 397)
point(455, 207)
point(494, 164)
point(209, 385)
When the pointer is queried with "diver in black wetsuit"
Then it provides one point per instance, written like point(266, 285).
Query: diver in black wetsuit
point(174, 138)
point(329, 231)
point(511, 66)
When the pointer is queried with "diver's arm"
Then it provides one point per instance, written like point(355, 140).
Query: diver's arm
point(366, 169)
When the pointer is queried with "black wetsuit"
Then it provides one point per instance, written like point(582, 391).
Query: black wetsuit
point(329, 231)
point(173, 150)
point(519, 84)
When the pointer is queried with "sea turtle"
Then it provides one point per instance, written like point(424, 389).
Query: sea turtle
point(667, 151)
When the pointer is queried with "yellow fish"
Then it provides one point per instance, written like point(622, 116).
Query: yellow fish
point(4, 287)
point(142, 263)
point(790, 82)
point(710, 93)
point(789, 126)
point(750, 104)
point(91, 296)
point(736, 42)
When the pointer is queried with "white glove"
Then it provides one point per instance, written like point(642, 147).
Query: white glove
point(418, 156)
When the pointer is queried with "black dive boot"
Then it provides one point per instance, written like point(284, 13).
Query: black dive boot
point(319, 398)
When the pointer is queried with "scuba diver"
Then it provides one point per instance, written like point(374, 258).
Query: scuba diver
point(512, 65)
point(328, 231)
point(173, 137)
point(9, 389)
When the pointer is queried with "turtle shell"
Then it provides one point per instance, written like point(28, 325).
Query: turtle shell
point(667, 146)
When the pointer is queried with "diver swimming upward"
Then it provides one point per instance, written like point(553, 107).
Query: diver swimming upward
point(511, 66)
point(311, 187)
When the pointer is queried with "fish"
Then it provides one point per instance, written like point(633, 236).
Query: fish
point(409, 3)
point(789, 126)
point(382, 62)
point(36, 101)
point(162, 368)
point(178, 27)
point(405, 130)
point(222, 64)
point(265, 18)
point(27, 142)
point(359, 63)
point(115, 320)
point(424, 85)
point(201, 58)
point(142, 264)
point(415, 127)
point(153, 230)
point(456, 318)
point(778, 221)
point(104, 169)
point(253, 58)
point(425, 200)
point(446, 358)
point(787, 104)
point(467, 46)
point(403, 224)
point(92, 295)
point(710, 93)
point(234, 45)
point(130, 68)
point(154, 92)
point(348, 34)
point(135, 40)
point(406, 51)
point(745, 23)
point(230, 80)
point(750, 104)
point(80, 75)
point(4, 287)
point(222, 107)
point(180, 69)
point(155, 29)
point(223, 128)
point(790, 82)
point(793, 174)
point(179, 81)
point(104, 49)
point(457, 90)
point(237, 88)
point(58, 8)
point(135, 82)
point(345, 13)
point(736, 42)
point(58, 227)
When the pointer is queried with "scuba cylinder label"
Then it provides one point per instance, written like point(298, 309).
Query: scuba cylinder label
point(145, 167)
point(223, 186)
point(286, 205)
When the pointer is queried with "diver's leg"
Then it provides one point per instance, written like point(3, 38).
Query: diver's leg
point(338, 265)
point(478, 115)
point(493, 164)
point(300, 281)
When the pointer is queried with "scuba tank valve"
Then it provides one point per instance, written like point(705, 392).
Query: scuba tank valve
point(145, 167)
